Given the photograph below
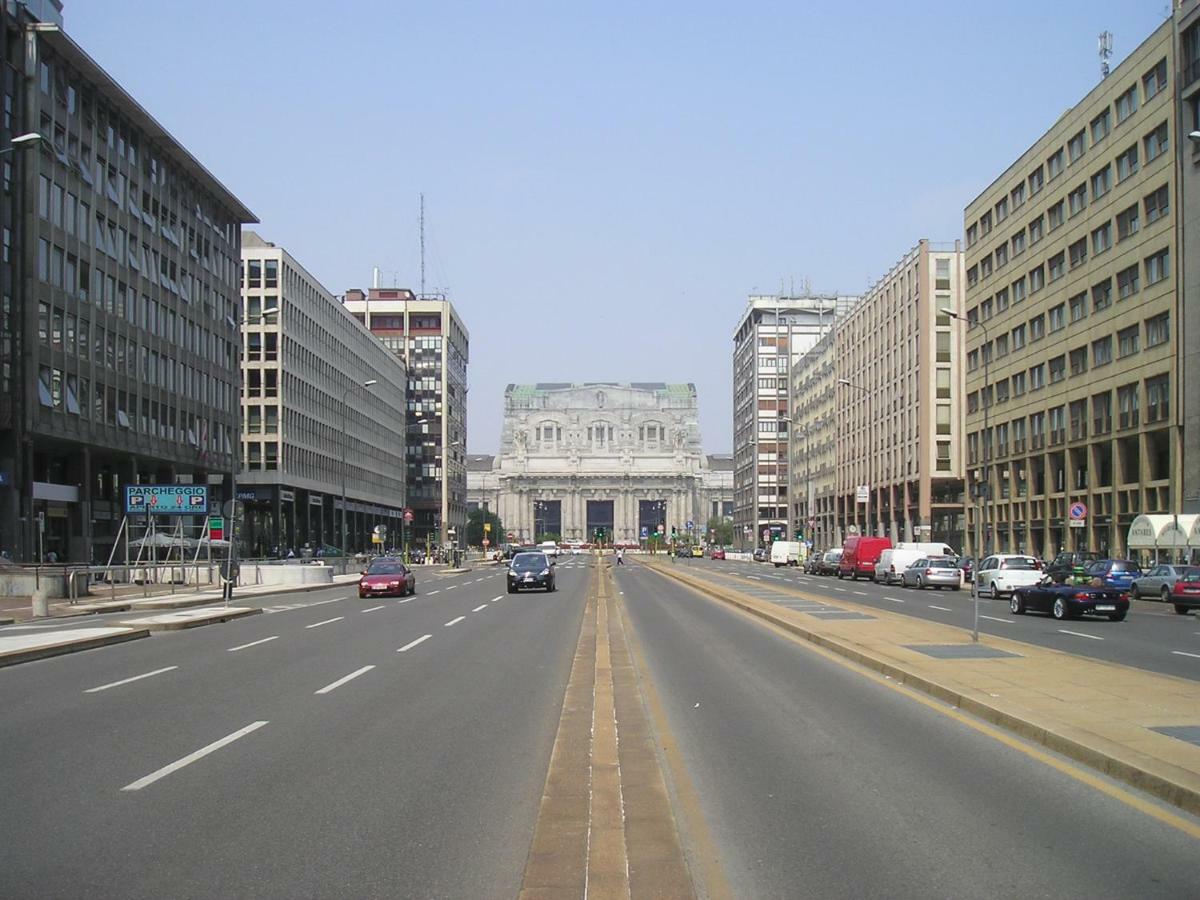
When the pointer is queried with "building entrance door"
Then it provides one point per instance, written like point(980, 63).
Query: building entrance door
point(600, 515)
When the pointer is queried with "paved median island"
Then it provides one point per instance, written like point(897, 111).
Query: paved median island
point(20, 647)
point(191, 618)
point(1138, 727)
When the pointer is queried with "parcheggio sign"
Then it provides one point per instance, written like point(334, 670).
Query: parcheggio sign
point(166, 500)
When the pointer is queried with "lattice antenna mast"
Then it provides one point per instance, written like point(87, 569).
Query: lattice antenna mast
point(422, 230)
point(1105, 51)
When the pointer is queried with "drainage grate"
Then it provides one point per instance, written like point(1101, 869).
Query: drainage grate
point(961, 651)
point(1189, 733)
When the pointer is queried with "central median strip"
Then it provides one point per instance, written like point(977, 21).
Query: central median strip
point(113, 684)
point(166, 770)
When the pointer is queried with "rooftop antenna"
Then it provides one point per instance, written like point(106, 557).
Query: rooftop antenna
point(422, 244)
point(1105, 50)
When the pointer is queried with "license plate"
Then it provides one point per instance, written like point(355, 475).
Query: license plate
point(1105, 607)
point(529, 578)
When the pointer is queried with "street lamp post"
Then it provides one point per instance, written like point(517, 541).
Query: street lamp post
point(231, 556)
point(345, 441)
point(867, 512)
point(981, 543)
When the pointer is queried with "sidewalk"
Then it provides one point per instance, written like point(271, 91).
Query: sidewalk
point(1138, 727)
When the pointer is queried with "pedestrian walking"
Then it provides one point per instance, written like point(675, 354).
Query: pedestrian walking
point(620, 556)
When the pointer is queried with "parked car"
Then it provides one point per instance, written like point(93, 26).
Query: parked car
point(1069, 601)
point(936, 572)
point(1070, 565)
point(1115, 573)
point(1002, 573)
point(717, 553)
point(859, 555)
point(1156, 583)
point(830, 561)
point(893, 561)
point(529, 570)
point(387, 577)
point(1185, 594)
point(967, 565)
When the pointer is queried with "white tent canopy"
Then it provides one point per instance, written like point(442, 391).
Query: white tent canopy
point(1162, 532)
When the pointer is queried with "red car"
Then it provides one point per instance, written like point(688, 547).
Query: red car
point(717, 553)
point(1186, 592)
point(386, 577)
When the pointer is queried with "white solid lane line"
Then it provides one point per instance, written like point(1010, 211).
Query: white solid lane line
point(994, 619)
point(478, 608)
point(273, 637)
point(337, 684)
point(422, 639)
point(942, 608)
point(192, 757)
point(371, 609)
point(326, 622)
point(1185, 653)
point(454, 621)
point(105, 687)
point(1081, 634)
point(494, 599)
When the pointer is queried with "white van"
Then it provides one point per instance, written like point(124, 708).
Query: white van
point(893, 562)
point(785, 553)
point(550, 548)
point(928, 549)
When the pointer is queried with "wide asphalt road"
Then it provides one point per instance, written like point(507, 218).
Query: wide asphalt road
point(816, 780)
point(342, 748)
point(1153, 637)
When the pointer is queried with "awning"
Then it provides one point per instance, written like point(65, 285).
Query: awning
point(1162, 532)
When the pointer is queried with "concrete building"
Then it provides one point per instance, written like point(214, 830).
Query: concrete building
point(772, 333)
point(429, 335)
point(1073, 321)
point(1187, 155)
point(815, 423)
point(309, 426)
point(897, 366)
point(575, 458)
point(119, 319)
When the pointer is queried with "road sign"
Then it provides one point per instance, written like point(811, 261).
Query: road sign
point(408, 515)
point(486, 543)
point(376, 539)
point(766, 534)
point(645, 532)
point(216, 528)
point(812, 523)
point(166, 500)
point(381, 530)
point(487, 526)
point(863, 493)
point(690, 525)
point(1077, 511)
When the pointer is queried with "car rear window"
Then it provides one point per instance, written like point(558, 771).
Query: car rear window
point(1126, 566)
point(1190, 575)
point(1019, 562)
point(943, 564)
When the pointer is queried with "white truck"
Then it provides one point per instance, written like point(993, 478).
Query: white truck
point(786, 553)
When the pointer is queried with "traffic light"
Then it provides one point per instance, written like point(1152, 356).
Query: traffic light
point(674, 530)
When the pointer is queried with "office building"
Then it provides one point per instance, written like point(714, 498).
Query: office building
point(814, 431)
point(429, 335)
point(897, 367)
point(1073, 323)
point(119, 319)
point(311, 425)
point(771, 334)
point(1187, 122)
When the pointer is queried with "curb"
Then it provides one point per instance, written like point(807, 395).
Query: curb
point(73, 646)
point(1161, 786)
point(219, 616)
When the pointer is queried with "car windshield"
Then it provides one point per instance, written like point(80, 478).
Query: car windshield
point(1019, 562)
point(385, 568)
point(529, 562)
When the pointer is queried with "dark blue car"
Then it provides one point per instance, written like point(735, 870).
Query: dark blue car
point(1068, 601)
point(1115, 573)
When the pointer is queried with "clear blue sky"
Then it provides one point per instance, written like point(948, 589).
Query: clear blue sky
point(606, 182)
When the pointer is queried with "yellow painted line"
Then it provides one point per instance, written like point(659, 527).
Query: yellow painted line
point(1132, 800)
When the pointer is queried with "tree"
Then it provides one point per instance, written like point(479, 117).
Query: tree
point(475, 533)
point(720, 531)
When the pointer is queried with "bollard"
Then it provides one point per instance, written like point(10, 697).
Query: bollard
point(41, 603)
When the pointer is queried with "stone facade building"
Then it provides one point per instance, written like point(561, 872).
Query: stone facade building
point(576, 458)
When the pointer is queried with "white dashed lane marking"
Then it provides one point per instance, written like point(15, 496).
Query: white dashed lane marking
point(422, 639)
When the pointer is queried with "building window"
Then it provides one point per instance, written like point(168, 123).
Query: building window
point(972, 234)
point(1001, 210)
point(1102, 295)
point(1127, 223)
point(985, 266)
point(1002, 391)
point(1001, 346)
point(1018, 384)
point(1037, 279)
point(1057, 265)
point(1037, 230)
point(1018, 243)
point(1018, 338)
point(1078, 252)
point(1075, 146)
point(1102, 413)
point(1127, 163)
point(1156, 143)
point(943, 346)
point(1078, 413)
point(973, 276)
point(1036, 180)
point(1078, 359)
point(1127, 341)
point(972, 360)
point(1058, 369)
point(1157, 205)
point(1077, 199)
point(1018, 196)
point(943, 418)
point(1101, 125)
point(1001, 300)
point(943, 456)
point(1158, 329)
point(943, 383)
point(1055, 164)
point(1158, 267)
point(1127, 405)
point(1154, 80)
point(1101, 183)
point(1102, 351)
point(1127, 104)
point(1101, 238)
point(985, 224)
point(1158, 398)
point(1128, 282)
point(1058, 317)
point(1056, 214)
point(1078, 307)
point(1037, 377)
point(1001, 256)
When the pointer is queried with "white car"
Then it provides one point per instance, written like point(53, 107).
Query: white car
point(549, 548)
point(1002, 573)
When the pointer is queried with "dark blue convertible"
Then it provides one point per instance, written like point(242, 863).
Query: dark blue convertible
point(1069, 601)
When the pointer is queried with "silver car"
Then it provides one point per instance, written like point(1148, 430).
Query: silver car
point(935, 572)
point(1157, 583)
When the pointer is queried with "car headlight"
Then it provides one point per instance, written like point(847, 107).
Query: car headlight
point(394, 584)
point(544, 572)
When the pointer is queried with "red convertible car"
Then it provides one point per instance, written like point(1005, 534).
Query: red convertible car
point(386, 577)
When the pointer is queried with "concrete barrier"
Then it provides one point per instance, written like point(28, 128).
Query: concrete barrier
point(285, 575)
point(27, 582)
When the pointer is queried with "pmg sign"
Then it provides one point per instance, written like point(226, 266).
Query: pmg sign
point(166, 500)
